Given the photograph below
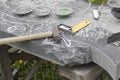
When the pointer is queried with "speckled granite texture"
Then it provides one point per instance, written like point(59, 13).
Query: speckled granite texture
point(89, 44)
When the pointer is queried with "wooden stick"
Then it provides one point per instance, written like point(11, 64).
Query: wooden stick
point(25, 38)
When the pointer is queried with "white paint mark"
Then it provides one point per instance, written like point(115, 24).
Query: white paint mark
point(11, 29)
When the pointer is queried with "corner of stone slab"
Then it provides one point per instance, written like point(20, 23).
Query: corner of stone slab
point(117, 72)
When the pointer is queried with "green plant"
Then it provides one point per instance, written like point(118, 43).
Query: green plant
point(47, 71)
point(98, 1)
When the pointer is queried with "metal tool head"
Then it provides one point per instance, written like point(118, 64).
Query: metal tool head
point(56, 34)
point(65, 27)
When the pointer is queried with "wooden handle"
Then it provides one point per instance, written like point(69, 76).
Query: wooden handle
point(25, 38)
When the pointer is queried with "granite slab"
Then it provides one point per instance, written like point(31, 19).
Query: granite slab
point(89, 44)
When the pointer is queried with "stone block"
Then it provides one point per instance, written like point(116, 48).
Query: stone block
point(89, 71)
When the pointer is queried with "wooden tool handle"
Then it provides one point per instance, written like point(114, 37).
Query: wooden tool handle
point(25, 38)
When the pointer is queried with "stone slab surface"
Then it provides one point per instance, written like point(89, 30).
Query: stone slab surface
point(84, 72)
point(87, 42)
